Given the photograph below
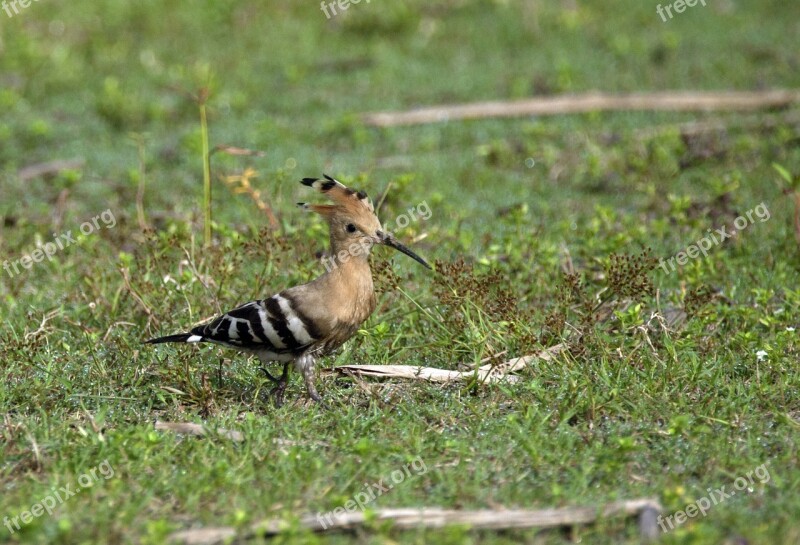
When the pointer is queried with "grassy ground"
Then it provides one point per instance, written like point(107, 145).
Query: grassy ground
point(537, 227)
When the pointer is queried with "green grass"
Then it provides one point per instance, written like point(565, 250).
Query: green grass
point(647, 402)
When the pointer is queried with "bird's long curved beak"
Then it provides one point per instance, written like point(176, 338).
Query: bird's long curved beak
point(388, 239)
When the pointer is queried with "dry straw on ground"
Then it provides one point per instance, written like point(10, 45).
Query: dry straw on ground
point(646, 510)
point(590, 102)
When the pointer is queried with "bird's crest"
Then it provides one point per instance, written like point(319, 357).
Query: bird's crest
point(345, 199)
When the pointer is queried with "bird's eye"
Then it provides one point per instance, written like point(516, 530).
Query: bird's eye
point(351, 228)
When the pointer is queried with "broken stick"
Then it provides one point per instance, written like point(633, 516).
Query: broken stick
point(591, 102)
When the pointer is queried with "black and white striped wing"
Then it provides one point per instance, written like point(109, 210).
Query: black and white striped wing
point(271, 325)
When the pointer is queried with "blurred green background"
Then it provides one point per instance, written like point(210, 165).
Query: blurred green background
point(286, 80)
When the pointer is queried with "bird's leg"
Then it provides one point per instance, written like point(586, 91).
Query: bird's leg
point(280, 383)
point(269, 375)
point(305, 364)
point(312, 391)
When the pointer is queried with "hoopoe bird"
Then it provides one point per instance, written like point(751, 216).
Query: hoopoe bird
point(303, 323)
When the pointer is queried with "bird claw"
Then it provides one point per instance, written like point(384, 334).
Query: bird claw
point(282, 381)
point(316, 398)
point(278, 391)
point(280, 384)
point(312, 390)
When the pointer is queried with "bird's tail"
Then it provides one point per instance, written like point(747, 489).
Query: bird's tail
point(179, 338)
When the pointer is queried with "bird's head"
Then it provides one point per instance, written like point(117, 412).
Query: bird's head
point(354, 226)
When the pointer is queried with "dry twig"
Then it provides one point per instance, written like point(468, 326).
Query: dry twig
point(485, 373)
point(49, 168)
point(138, 298)
point(437, 517)
point(590, 102)
point(190, 428)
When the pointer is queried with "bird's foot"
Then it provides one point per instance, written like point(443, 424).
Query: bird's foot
point(280, 384)
point(314, 395)
point(278, 391)
point(305, 365)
